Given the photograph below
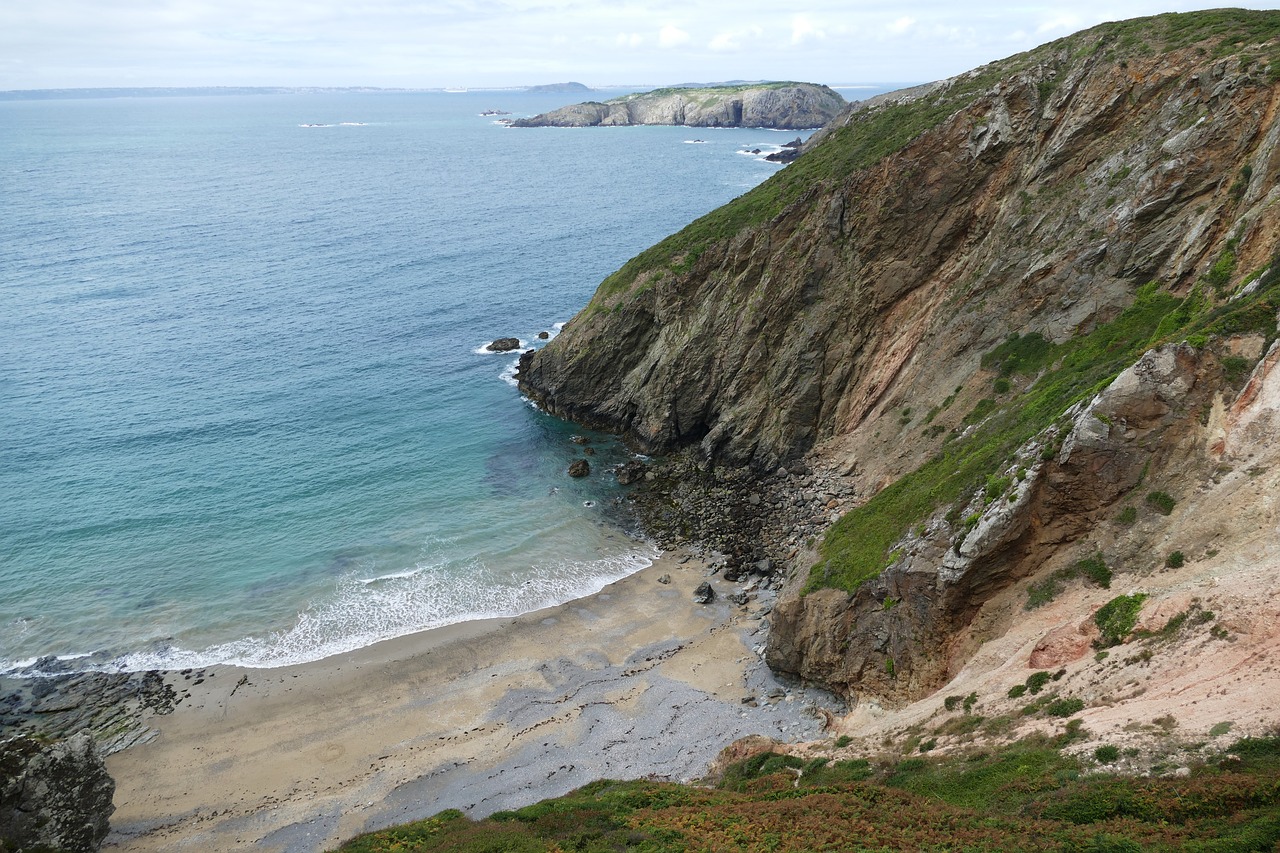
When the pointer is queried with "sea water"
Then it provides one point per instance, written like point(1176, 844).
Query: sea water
point(246, 415)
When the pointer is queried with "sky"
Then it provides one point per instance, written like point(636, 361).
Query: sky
point(48, 44)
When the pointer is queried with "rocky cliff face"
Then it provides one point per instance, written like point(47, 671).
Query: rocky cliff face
point(53, 796)
point(922, 296)
point(777, 105)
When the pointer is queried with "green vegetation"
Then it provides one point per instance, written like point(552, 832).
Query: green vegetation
point(1094, 569)
point(1116, 618)
point(1064, 707)
point(1127, 516)
point(1176, 560)
point(1024, 796)
point(1161, 502)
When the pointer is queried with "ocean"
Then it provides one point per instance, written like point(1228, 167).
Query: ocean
point(245, 411)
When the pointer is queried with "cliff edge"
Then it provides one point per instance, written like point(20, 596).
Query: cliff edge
point(932, 307)
point(788, 106)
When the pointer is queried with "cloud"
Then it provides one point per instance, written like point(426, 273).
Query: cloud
point(901, 25)
point(733, 40)
point(630, 39)
point(803, 29)
point(672, 36)
point(1063, 23)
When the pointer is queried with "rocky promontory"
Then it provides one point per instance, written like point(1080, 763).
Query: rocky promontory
point(790, 106)
point(926, 303)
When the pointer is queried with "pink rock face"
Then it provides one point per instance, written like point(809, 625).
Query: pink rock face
point(1064, 644)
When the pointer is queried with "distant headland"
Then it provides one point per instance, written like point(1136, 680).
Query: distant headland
point(785, 105)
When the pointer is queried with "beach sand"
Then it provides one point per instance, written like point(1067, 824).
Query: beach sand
point(636, 680)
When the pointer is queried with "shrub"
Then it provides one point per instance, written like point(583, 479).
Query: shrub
point(1107, 754)
point(1001, 385)
point(1127, 516)
point(952, 702)
point(1037, 680)
point(1095, 569)
point(1017, 691)
point(1176, 560)
point(1161, 502)
point(1064, 707)
point(843, 741)
point(1117, 617)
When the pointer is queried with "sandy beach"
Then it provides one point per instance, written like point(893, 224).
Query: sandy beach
point(636, 680)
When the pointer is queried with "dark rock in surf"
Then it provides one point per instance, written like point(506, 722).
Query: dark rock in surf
point(579, 468)
point(504, 345)
point(629, 472)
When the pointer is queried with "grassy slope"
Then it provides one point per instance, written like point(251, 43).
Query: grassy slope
point(859, 545)
point(1026, 796)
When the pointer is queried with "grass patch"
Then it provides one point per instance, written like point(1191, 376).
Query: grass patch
point(1161, 502)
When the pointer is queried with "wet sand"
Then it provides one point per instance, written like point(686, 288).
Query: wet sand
point(637, 680)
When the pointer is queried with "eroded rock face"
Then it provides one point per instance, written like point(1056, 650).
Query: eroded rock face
point(1061, 183)
point(791, 107)
point(891, 636)
point(53, 797)
point(1039, 206)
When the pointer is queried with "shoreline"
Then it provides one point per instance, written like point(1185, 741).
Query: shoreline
point(634, 680)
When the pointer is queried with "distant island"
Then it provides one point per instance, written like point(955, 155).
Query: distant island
point(784, 105)
point(560, 87)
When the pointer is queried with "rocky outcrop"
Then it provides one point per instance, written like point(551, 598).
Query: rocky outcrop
point(891, 636)
point(50, 701)
point(1059, 182)
point(53, 796)
point(840, 313)
point(777, 105)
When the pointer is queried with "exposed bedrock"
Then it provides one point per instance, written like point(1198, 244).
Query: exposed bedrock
point(817, 319)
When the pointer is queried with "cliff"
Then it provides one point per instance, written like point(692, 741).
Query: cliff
point(925, 307)
point(777, 105)
point(53, 796)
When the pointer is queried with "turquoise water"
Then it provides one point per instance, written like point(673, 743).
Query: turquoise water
point(243, 414)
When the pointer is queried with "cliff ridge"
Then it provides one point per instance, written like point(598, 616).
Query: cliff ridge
point(788, 106)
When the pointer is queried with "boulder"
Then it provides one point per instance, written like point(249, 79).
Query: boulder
point(579, 468)
point(704, 594)
point(629, 472)
point(53, 796)
point(504, 345)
